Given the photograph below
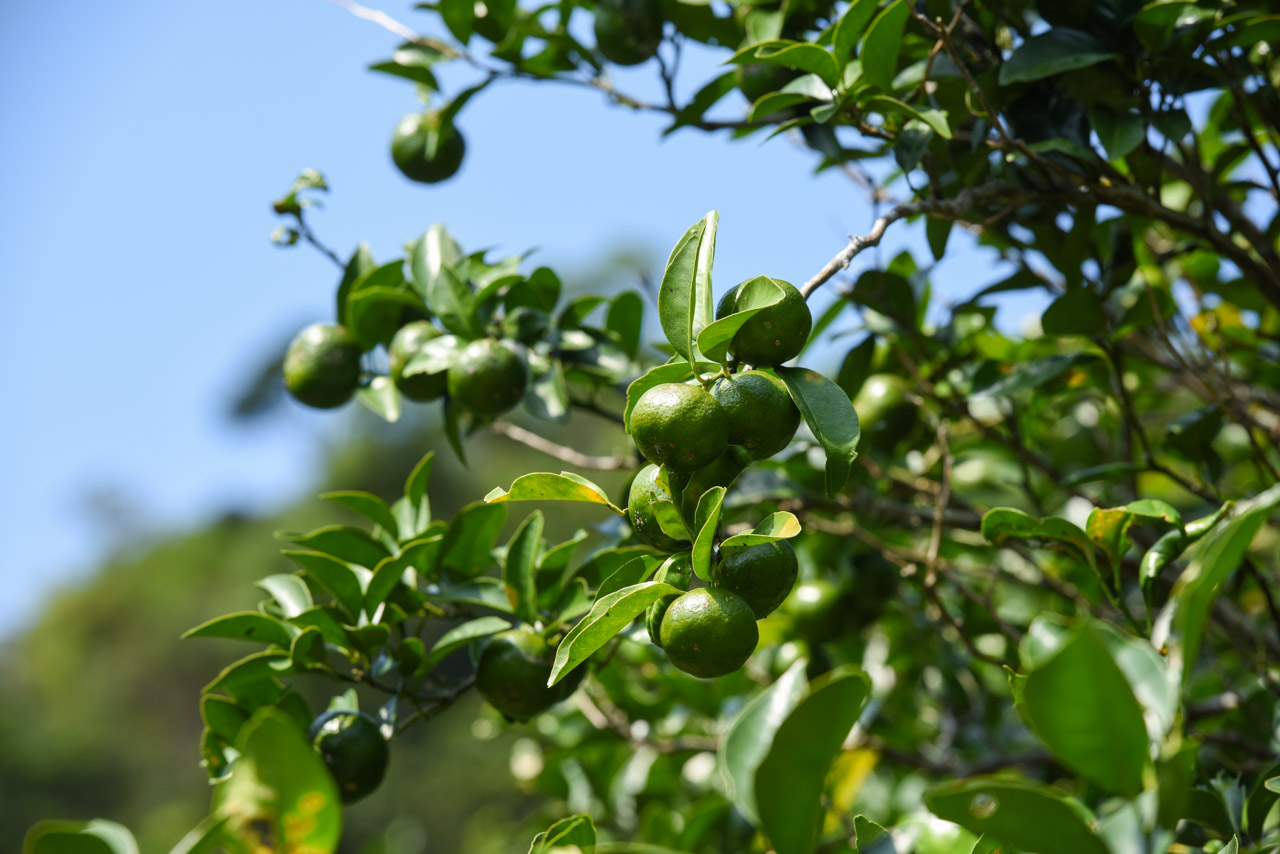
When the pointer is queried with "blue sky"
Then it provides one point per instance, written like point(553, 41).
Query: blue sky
point(143, 143)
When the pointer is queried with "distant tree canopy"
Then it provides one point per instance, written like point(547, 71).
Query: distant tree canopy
point(972, 592)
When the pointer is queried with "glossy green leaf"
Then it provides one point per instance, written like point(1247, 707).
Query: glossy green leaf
point(871, 838)
point(935, 119)
point(789, 781)
point(850, 26)
point(245, 625)
point(882, 44)
point(289, 591)
point(830, 416)
point(754, 295)
point(1053, 52)
point(624, 321)
point(1031, 375)
point(780, 525)
point(1108, 527)
point(1081, 706)
point(634, 571)
point(335, 576)
point(518, 572)
point(1004, 523)
point(577, 831)
point(202, 838)
point(485, 591)
point(382, 398)
point(79, 837)
point(279, 792)
point(367, 505)
point(1022, 814)
point(223, 717)
point(350, 545)
point(251, 669)
point(706, 521)
point(328, 621)
point(608, 616)
point(459, 636)
point(749, 736)
point(1120, 132)
point(471, 535)
point(377, 313)
point(418, 555)
point(415, 493)
point(684, 297)
point(359, 265)
point(801, 56)
point(544, 486)
point(413, 62)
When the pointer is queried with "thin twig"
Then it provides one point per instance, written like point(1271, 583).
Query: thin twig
point(560, 452)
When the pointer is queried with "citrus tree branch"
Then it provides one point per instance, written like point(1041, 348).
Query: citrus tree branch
point(574, 458)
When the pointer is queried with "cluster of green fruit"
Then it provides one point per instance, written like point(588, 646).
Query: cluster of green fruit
point(704, 433)
point(485, 376)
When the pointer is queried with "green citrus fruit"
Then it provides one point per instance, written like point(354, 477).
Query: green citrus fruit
point(628, 32)
point(322, 366)
point(646, 491)
point(679, 425)
point(762, 575)
point(487, 378)
point(762, 416)
point(884, 413)
point(722, 471)
point(407, 343)
point(709, 632)
point(352, 746)
point(775, 334)
point(679, 574)
point(814, 608)
point(512, 674)
point(426, 151)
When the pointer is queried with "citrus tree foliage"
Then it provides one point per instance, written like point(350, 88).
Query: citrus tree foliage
point(1034, 607)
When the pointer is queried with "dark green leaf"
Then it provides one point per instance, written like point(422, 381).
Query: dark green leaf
point(1120, 132)
point(242, 674)
point(79, 837)
point(522, 557)
point(485, 591)
point(335, 576)
point(882, 43)
point(684, 306)
point(415, 492)
point(791, 54)
point(460, 636)
point(749, 736)
point(245, 625)
point(703, 100)
point(1030, 375)
point(358, 266)
point(706, 521)
point(830, 416)
point(850, 26)
point(789, 781)
point(391, 572)
point(545, 486)
point(351, 545)
point(937, 232)
point(624, 321)
point(1077, 312)
point(470, 537)
point(1053, 52)
point(412, 62)
point(367, 505)
point(1022, 814)
point(608, 616)
point(222, 716)
point(631, 573)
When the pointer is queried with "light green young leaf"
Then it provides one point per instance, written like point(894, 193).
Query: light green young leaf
point(98, 836)
point(544, 486)
point(575, 832)
point(677, 295)
point(706, 520)
point(802, 56)
point(335, 576)
point(754, 295)
point(776, 526)
point(608, 616)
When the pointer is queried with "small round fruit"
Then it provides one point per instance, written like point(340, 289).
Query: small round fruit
point(679, 574)
point(884, 412)
point(762, 417)
point(775, 334)
point(322, 366)
point(407, 343)
point(762, 575)
point(814, 607)
point(352, 747)
point(628, 32)
point(646, 490)
point(487, 379)
point(426, 151)
point(679, 425)
point(512, 674)
point(709, 632)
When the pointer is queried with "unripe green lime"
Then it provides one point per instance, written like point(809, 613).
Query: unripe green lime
point(762, 417)
point(487, 379)
point(646, 490)
point(709, 632)
point(762, 575)
point(679, 574)
point(512, 674)
point(322, 366)
point(407, 343)
point(773, 335)
point(884, 413)
point(722, 471)
point(353, 749)
point(628, 32)
point(814, 608)
point(679, 425)
point(425, 150)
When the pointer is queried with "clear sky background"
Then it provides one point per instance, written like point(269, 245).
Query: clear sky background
point(141, 146)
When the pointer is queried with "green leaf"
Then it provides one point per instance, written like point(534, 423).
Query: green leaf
point(246, 672)
point(754, 295)
point(202, 838)
point(576, 830)
point(547, 396)
point(307, 650)
point(470, 537)
point(850, 26)
point(1081, 706)
point(801, 56)
point(545, 486)
point(937, 233)
point(434, 253)
point(881, 45)
point(631, 573)
point(1119, 132)
point(518, 573)
point(244, 625)
point(1022, 814)
point(351, 545)
point(485, 591)
point(377, 312)
point(1031, 375)
point(789, 781)
point(460, 636)
point(830, 416)
point(391, 572)
point(935, 119)
point(1077, 312)
point(1108, 527)
point(706, 520)
point(289, 591)
point(749, 736)
point(453, 301)
point(279, 790)
point(871, 838)
point(1002, 523)
point(223, 717)
point(367, 505)
point(413, 62)
point(328, 621)
point(608, 616)
point(415, 493)
point(453, 429)
point(335, 576)
point(79, 837)
point(1053, 52)
point(624, 321)
point(780, 525)
point(684, 298)
point(702, 100)
point(358, 266)
point(1106, 471)
point(382, 398)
